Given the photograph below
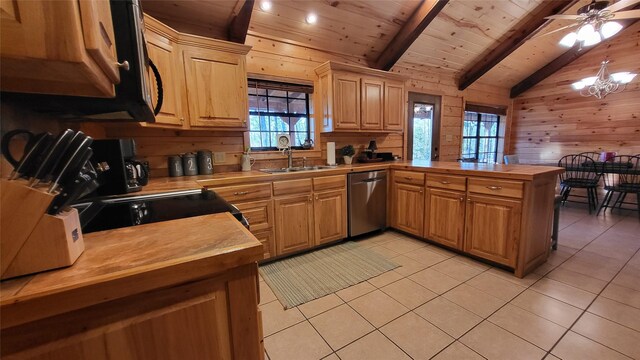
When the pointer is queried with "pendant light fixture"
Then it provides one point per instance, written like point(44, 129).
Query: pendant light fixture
point(603, 83)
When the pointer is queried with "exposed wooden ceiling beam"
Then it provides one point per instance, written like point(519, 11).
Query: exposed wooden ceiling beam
point(240, 23)
point(412, 28)
point(558, 63)
point(519, 34)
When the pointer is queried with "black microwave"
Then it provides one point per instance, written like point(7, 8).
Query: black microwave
point(133, 100)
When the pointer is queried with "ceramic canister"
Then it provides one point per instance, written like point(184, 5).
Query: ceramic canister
point(205, 162)
point(189, 164)
point(175, 166)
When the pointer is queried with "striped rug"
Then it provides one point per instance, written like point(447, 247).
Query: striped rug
point(303, 278)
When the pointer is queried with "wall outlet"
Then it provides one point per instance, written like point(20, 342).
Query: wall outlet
point(219, 157)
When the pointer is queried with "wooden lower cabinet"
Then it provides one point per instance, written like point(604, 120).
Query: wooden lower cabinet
point(444, 217)
point(268, 240)
point(259, 214)
point(294, 223)
point(408, 208)
point(493, 228)
point(330, 216)
point(214, 318)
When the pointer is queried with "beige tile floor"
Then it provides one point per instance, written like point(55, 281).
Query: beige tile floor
point(583, 303)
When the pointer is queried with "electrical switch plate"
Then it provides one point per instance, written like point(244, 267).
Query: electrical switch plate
point(449, 138)
point(219, 157)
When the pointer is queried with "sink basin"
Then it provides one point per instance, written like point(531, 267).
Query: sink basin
point(298, 168)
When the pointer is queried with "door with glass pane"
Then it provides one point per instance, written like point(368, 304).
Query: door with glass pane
point(424, 127)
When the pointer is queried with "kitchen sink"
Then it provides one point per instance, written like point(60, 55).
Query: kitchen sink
point(296, 169)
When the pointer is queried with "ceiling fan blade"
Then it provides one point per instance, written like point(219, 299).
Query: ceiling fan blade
point(563, 17)
point(629, 14)
point(622, 4)
point(556, 30)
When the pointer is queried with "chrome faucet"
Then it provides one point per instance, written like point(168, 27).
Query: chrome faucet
point(289, 152)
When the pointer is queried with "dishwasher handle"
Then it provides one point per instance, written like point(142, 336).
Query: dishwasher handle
point(372, 180)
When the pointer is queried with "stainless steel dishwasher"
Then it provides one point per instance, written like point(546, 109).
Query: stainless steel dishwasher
point(367, 201)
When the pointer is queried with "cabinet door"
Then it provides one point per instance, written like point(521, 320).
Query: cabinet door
point(99, 39)
point(372, 99)
point(394, 106)
point(346, 102)
point(408, 211)
point(330, 216)
point(444, 217)
point(294, 223)
point(493, 228)
point(216, 89)
point(267, 240)
point(164, 55)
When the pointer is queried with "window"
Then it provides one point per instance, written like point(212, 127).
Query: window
point(480, 136)
point(276, 108)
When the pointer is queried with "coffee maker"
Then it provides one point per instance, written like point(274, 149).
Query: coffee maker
point(126, 174)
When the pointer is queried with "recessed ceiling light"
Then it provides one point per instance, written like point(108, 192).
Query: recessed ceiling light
point(265, 5)
point(311, 18)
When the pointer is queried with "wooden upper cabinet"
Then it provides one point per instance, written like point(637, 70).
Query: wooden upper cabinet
point(355, 98)
point(394, 106)
point(444, 217)
point(58, 47)
point(216, 85)
point(165, 54)
point(346, 100)
point(372, 103)
point(330, 215)
point(493, 228)
point(294, 223)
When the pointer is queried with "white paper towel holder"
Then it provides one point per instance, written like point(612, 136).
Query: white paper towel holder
point(331, 154)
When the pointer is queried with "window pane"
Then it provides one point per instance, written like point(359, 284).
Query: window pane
point(253, 91)
point(469, 148)
point(487, 150)
point(278, 105)
point(298, 107)
point(280, 124)
point(297, 95)
point(280, 93)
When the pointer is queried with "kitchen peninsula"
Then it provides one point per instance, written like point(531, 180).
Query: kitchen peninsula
point(185, 288)
point(500, 213)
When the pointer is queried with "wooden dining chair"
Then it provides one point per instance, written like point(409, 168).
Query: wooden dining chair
point(621, 177)
point(580, 173)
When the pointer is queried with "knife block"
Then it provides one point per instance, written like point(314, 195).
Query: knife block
point(32, 240)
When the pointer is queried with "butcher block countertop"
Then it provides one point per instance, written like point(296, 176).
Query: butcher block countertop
point(123, 262)
point(513, 172)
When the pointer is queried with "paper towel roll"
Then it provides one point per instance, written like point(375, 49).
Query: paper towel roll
point(331, 153)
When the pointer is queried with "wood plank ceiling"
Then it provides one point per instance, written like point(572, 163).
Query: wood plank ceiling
point(462, 32)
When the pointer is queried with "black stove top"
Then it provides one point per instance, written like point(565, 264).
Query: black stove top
point(114, 212)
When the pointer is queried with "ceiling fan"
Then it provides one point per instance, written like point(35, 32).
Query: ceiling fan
point(595, 22)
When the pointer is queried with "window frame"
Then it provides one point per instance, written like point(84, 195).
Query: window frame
point(477, 135)
point(288, 115)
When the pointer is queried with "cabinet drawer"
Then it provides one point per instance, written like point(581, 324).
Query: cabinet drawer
point(289, 187)
point(329, 182)
point(268, 242)
point(448, 182)
point(408, 177)
point(496, 187)
point(240, 193)
point(259, 214)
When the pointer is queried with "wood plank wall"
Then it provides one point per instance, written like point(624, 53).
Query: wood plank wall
point(287, 61)
point(552, 120)
point(277, 57)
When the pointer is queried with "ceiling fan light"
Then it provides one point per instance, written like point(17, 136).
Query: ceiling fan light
point(593, 39)
point(609, 29)
point(623, 77)
point(588, 81)
point(585, 32)
point(265, 5)
point(579, 85)
point(569, 40)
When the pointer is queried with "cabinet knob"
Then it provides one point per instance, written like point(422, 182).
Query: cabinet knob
point(316, 198)
point(494, 187)
point(421, 191)
point(469, 199)
point(123, 65)
point(462, 198)
point(181, 119)
point(310, 199)
point(408, 177)
point(445, 182)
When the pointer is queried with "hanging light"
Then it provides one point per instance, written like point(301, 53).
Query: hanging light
point(603, 84)
point(591, 33)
